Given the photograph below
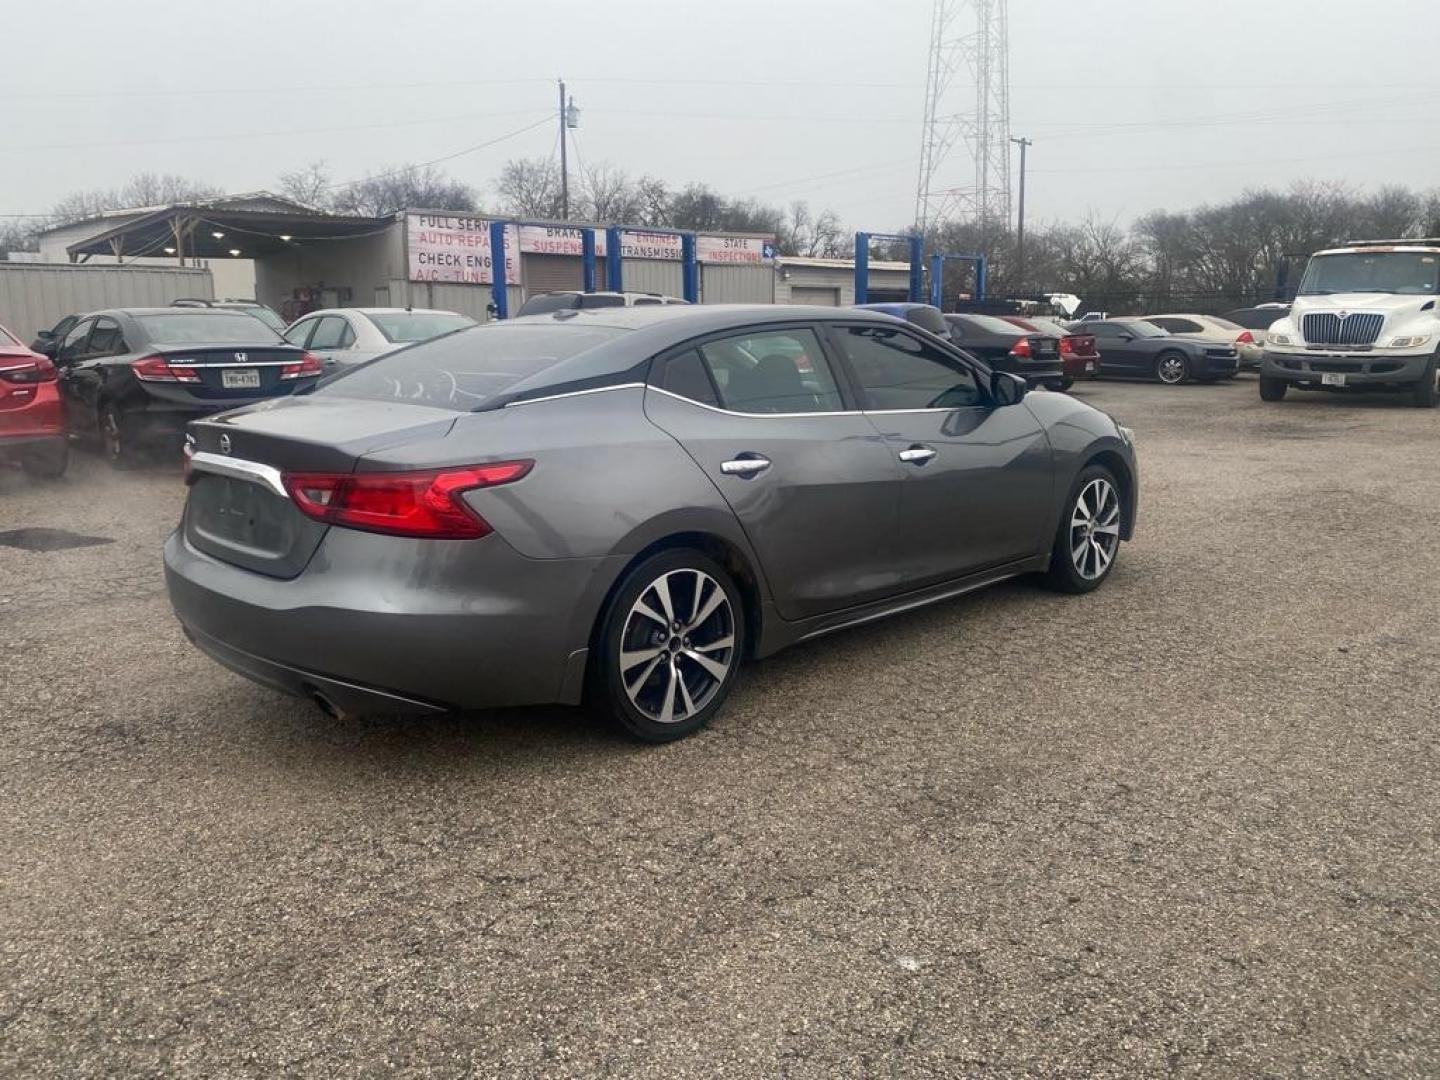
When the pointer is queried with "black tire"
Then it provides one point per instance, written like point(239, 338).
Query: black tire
point(117, 437)
point(1064, 575)
point(1066, 383)
point(639, 709)
point(1172, 367)
point(47, 463)
point(1273, 389)
point(1426, 392)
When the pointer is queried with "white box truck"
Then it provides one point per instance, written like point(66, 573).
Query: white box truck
point(1364, 318)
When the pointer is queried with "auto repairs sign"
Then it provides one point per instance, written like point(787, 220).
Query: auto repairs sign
point(753, 250)
point(456, 248)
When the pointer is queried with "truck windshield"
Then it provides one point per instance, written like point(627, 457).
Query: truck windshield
point(1412, 273)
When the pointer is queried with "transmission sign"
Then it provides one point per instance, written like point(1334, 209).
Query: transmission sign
point(456, 248)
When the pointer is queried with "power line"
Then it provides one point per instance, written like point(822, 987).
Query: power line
point(275, 134)
point(447, 157)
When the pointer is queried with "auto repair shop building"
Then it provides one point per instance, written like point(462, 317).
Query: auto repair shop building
point(305, 259)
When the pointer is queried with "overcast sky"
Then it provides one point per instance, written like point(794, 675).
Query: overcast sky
point(1133, 104)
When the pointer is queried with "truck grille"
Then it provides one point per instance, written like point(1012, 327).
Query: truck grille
point(1327, 328)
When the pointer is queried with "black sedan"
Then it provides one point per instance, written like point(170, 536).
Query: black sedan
point(1137, 349)
point(1002, 345)
point(134, 376)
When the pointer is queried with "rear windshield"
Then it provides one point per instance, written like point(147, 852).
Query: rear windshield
point(463, 371)
point(541, 305)
point(7, 336)
point(265, 315)
point(991, 324)
point(205, 327)
point(407, 326)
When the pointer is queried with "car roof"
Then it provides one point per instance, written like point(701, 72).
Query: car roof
point(207, 312)
point(383, 311)
point(649, 331)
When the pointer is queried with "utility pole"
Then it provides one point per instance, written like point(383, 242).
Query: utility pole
point(1025, 144)
point(564, 160)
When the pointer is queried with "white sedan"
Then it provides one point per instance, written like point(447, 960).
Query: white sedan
point(343, 337)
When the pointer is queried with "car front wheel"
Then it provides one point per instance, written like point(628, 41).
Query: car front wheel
point(669, 646)
point(1088, 537)
point(1172, 368)
point(1426, 394)
point(1272, 389)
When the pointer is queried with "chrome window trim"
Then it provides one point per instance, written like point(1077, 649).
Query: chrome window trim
point(753, 415)
point(180, 362)
point(573, 393)
point(239, 469)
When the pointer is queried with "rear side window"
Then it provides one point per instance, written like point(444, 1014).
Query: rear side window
point(463, 371)
point(332, 333)
point(772, 371)
point(685, 375)
point(899, 371)
point(105, 339)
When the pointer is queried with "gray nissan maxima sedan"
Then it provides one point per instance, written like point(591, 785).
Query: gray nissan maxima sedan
point(620, 507)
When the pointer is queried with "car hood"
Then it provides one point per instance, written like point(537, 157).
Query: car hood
point(1361, 302)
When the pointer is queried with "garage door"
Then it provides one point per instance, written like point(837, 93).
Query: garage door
point(553, 273)
point(812, 294)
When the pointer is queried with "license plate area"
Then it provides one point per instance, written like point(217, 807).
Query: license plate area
point(240, 379)
point(1332, 378)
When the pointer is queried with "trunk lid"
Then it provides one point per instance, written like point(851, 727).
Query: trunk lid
point(238, 510)
point(240, 372)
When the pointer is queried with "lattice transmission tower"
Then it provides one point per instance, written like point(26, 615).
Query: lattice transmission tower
point(967, 101)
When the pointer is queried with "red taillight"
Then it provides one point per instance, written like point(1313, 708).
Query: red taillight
point(1067, 346)
point(402, 503)
point(38, 370)
point(1245, 338)
point(158, 369)
point(1021, 347)
point(309, 365)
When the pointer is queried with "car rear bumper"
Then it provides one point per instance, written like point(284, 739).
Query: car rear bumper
point(1035, 373)
point(1081, 367)
point(378, 623)
point(28, 443)
point(1359, 370)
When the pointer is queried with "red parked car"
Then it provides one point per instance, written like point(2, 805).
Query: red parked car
point(32, 422)
point(1078, 354)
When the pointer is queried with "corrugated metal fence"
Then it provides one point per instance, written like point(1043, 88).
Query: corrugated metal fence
point(35, 296)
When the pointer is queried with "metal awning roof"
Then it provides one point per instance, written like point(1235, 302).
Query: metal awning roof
point(197, 230)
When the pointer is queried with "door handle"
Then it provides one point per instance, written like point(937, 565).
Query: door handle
point(917, 455)
point(745, 466)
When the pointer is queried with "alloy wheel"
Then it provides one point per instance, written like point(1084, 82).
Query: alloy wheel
point(1094, 529)
point(1171, 369)
point(678, 645)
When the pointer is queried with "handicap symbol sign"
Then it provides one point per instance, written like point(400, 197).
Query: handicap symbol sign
point(768, 251)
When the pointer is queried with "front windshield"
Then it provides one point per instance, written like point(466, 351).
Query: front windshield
point(1411, 273)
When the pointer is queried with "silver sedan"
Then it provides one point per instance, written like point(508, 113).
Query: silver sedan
point(344, 337)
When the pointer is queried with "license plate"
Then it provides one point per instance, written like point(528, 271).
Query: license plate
point(1089, 366)
point(1331, 378)
point(243, 379)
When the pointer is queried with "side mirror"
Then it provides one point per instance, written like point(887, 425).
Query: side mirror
point(45, 335)
point(1006, 389)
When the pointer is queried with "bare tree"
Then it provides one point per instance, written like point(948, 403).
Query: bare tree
point(309, 186)
point(143, 189)
point(609, 196)
point(530, 188)
point(419, 186)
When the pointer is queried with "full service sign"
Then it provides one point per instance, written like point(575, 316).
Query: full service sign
point(456, 248)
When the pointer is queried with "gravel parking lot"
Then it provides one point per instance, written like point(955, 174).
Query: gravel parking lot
point(1186, 825)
